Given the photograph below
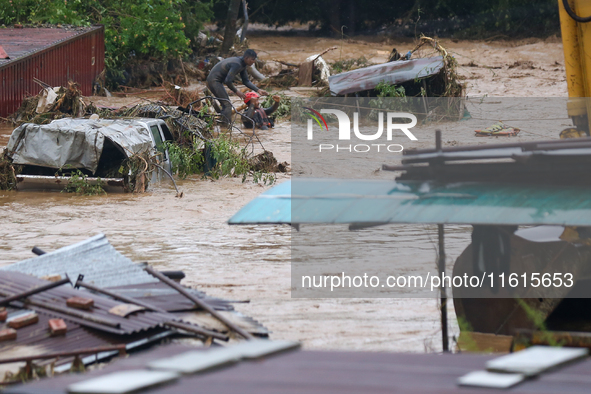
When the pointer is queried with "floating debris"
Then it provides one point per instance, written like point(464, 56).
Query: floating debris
point(51, 103)
point(433, 76)
point(498, 129)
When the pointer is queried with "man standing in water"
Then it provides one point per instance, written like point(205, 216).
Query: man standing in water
point(225, 72)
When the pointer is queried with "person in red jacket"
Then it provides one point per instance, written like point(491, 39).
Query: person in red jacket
point(258, 114)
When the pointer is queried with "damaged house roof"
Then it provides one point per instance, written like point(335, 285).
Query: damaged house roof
point(111, 320)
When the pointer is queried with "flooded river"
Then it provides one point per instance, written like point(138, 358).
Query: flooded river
point(245, 262)
point(253, 262)
point(235, 262)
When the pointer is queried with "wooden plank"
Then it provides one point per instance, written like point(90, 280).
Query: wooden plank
point(305, 74)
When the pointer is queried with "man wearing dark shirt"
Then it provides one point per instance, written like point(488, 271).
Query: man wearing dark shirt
point(225, 72)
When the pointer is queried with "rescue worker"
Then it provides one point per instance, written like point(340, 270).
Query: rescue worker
point(258, 114)
point(224, 73)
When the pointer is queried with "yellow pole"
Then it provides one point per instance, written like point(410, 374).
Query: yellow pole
point(576, 41)
point(572, 58)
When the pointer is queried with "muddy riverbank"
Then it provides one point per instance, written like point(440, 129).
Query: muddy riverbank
point(253, 262)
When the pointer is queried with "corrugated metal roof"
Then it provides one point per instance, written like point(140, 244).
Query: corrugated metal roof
point(102, 265)
point(324, 372)
point(12, 283)
point(381, 202)
point(162, 296)
point(397, 72)
point(35, 339)
point(95, 258)
point(19, 43)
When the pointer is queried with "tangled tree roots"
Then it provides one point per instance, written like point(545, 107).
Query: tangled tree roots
point(450, 80)
point(137, 169)
point(7, 173)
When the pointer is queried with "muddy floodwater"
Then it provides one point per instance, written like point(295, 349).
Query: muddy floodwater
point(253, 262)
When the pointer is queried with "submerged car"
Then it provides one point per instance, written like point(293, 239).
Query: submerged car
point(96, 148)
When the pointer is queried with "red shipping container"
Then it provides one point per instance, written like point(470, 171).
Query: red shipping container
point(52, 55)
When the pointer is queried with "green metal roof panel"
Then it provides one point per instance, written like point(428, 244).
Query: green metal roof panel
point(381, 201)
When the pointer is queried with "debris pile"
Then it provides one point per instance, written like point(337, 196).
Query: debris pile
point(51, 103)
point(447, 82)
point(422, 76)
point(314, 71)
point(266, 162)
point(175, 95)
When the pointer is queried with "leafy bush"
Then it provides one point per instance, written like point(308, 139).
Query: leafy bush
point(230, 159)
point(284, 109)
point(185, 160)
point(219, 158)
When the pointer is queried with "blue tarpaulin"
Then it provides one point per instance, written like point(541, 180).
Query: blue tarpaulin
point(349, 201)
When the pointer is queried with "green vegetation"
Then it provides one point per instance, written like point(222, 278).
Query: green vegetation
point(538, 319)
point(79, 184)
point(229, 159)
point(348, 65)
point(284, 109)
point(444, 18)
point(160, 29)
point(185, 160)
point(387, 90)
point(222, 157)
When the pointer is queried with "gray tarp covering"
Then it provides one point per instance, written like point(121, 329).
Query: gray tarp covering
point(75, 142)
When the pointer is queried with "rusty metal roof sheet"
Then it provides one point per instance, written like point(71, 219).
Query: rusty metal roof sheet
point(397, 72)
point(95, 258)
point(37, 335)
point(162, 296)
point(19, 43)
point(12, 283)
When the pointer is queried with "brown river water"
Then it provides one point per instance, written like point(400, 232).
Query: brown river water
point(253, 262)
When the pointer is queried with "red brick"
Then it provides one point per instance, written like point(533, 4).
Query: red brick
point(7, 335)
point(24, 321)
point(80, 302)
point(57, 327)
point(3, 314)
